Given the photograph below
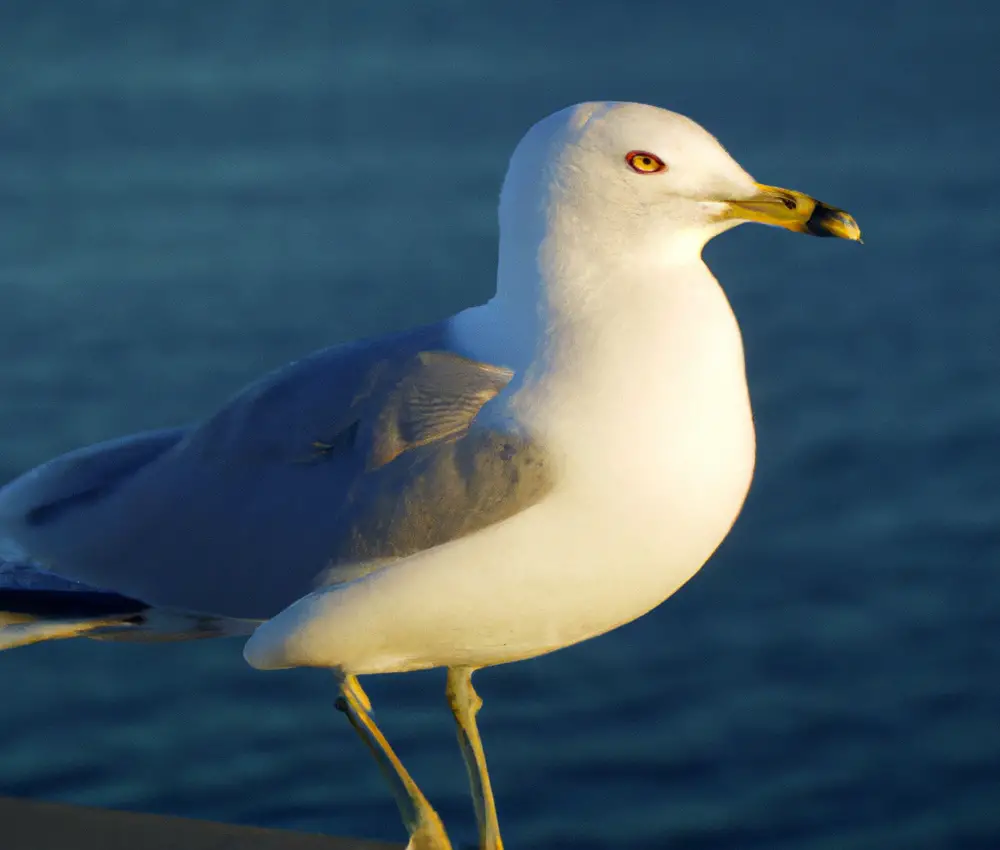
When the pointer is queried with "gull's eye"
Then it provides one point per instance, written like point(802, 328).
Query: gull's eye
point(644, 162)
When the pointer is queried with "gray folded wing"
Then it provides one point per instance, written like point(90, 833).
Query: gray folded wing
point(355, 456)
point(425, 474)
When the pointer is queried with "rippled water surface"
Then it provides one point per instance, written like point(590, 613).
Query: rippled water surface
point(190, 196)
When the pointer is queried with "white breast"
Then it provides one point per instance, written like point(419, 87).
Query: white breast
point(653, 414)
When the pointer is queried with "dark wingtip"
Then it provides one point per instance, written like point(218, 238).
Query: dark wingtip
point(68, 604)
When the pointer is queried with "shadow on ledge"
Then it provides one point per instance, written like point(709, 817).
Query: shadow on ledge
point(32, 825)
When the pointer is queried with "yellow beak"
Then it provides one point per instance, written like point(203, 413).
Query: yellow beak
point(794, 211)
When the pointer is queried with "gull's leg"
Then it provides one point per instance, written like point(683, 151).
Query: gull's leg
point(465, 704)
point(422, 822)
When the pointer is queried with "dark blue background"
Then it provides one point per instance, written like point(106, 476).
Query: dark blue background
point(192, 193)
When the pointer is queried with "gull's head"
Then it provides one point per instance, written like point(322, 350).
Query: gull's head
point(640, 177)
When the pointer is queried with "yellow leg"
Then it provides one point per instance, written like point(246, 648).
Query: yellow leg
point(422, 822)
point(465, 704)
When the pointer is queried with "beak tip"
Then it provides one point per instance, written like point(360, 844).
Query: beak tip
point(830, 221)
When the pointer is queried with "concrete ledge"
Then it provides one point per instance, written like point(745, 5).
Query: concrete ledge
point(33, 825)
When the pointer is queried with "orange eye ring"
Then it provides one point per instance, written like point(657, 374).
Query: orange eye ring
point(644, 162)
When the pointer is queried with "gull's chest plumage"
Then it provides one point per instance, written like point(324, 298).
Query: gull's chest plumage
point(653, 420)
point(658, 460)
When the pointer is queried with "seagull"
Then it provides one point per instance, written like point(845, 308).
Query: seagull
point(525, 475)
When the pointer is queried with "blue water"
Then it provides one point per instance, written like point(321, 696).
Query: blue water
point(193, 193)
